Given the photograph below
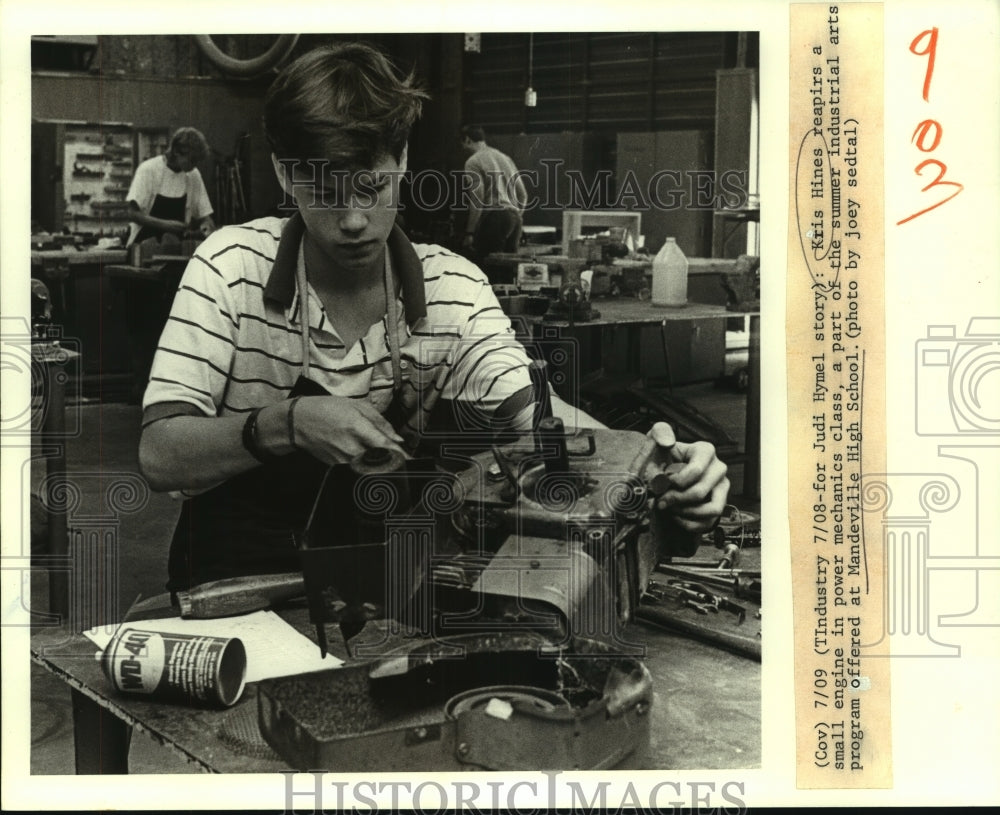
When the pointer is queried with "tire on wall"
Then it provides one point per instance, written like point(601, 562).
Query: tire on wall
point(246, 68)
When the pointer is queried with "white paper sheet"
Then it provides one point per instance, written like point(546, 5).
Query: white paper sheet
point(273, 647)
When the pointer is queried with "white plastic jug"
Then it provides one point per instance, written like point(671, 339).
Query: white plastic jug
point(670, 275)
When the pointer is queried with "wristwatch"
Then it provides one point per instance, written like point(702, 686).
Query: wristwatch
point(251, 441)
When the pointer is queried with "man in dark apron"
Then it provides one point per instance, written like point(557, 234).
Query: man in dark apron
point(167, 192)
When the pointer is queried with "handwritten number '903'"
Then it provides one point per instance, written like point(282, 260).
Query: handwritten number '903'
point(925, 45)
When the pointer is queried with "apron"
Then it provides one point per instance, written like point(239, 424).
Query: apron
point(250, 523)
point(169, 209)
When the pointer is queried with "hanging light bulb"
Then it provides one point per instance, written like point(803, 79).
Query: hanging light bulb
point(530, 97)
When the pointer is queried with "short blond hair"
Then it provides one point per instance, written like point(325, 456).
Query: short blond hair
point(189, 142)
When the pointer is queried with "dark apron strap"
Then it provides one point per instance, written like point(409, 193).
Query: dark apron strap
point(169, 209)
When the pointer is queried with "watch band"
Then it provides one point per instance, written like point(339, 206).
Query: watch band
point(251, 442)
point(290, 420)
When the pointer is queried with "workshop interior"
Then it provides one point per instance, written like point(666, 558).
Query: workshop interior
point(521, 607)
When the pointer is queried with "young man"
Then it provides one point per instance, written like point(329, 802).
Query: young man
point(302, 342)
point(167, 192)
point(496, 200)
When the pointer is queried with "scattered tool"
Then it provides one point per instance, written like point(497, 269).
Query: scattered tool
point(729, 555)
point(740, 536)
point(738, 641)
point(689, 595)
point(699, 598)
point(744, 584)
point(222, 598)
point(701, 608)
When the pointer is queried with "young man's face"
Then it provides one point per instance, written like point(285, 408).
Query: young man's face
point(348, 216)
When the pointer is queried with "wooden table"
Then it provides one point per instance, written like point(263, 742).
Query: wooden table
point(631, 311)
point(77, 257)
point(83, 305)
point(706, 711)
point(105, 303)
point(59, 270)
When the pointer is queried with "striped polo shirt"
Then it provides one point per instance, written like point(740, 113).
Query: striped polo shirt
point(233, 339)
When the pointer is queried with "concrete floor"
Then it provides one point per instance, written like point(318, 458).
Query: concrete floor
point(102, 455)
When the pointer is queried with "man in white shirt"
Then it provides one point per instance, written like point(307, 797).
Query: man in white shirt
point(496, 199)
point(167, 192)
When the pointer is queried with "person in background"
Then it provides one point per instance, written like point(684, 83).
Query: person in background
point(167, 192)
point(496, 199)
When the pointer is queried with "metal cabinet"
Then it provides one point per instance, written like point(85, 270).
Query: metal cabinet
point(81, 172)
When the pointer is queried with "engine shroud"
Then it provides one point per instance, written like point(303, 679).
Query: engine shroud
point(508, 702)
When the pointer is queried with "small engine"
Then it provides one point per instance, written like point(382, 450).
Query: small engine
point(485, 608)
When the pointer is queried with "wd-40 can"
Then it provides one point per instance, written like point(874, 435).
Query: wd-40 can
point(176, 667)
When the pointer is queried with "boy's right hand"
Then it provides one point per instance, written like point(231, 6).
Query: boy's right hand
point(335, 429)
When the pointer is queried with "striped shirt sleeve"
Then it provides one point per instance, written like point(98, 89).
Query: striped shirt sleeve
point(487, 364)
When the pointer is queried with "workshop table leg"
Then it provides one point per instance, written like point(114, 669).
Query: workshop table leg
point(751, 468)
point(100, 739)
point(54, 427)
point(561, 349)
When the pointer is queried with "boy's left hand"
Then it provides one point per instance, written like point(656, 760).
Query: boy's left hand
point(699, 489)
